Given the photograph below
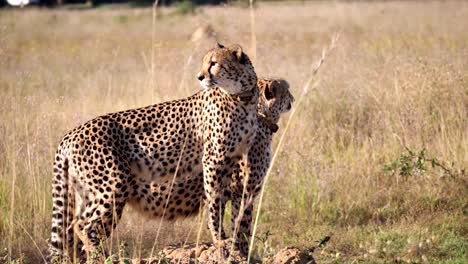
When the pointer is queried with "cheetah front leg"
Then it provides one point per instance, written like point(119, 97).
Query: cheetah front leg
point(247, 181)
point(241, 220)
point(241, 206)
point(214, 175)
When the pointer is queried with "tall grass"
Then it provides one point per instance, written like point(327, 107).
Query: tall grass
point(311, 83)
point(397, 81)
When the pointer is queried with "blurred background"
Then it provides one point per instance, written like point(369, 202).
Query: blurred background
point(94, 3)
point(375, 157)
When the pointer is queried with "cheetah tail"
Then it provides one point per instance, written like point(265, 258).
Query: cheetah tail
point(61, 211)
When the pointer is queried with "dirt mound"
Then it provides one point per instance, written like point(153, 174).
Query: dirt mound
point(206, 253)
point(291, 255)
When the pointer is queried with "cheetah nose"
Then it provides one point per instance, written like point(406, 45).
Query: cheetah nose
point(201, 77)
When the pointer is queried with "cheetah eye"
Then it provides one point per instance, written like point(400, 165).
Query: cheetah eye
point(213, 63)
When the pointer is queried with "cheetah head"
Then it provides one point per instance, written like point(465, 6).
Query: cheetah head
point(228, 68)
point(275, 98)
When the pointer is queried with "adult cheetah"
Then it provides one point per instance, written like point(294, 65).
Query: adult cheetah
point(274, 99)
point(121, 157)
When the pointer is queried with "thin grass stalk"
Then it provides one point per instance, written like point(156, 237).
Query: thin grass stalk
point(12, 199)
point(190, 232)
point(307, 87)
point(253, 37)
point(153, 45)
point(12, 210)
point(185, 242)
point(167, 200)
point(139, 241)
point(202, 216)
point(242, 207)
point(181, 85)
point(114, 220)
point(32, 239)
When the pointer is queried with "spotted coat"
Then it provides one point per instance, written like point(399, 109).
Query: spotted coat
point(129, 157)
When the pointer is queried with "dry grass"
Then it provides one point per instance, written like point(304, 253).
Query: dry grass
point(398, 79)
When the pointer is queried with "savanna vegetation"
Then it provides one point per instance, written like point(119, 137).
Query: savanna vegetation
point(373, 163)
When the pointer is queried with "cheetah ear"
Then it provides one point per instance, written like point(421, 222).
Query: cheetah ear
point(276, 87)
point(238, 53)
point(219, 45)
point(270, 90)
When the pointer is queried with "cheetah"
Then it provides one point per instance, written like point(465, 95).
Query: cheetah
point(275, 99)
point(120, 158)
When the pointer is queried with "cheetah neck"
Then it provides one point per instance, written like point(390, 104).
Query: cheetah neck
point(247, 96)
point(270, 124)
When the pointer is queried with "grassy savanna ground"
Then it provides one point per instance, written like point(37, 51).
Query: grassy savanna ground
point(356, 163)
